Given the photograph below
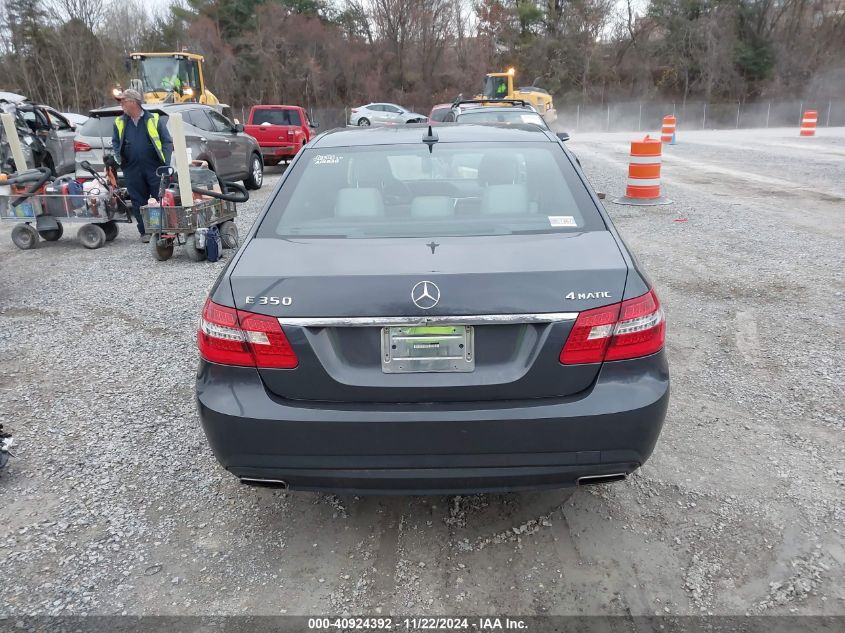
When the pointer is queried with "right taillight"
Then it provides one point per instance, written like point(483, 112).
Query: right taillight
point(631, 329)
point(79, 146)
point(235, 337)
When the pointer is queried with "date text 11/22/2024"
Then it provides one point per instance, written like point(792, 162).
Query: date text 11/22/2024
point(417, 624)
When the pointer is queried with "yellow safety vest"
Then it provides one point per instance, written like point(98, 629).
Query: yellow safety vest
point(152, 131)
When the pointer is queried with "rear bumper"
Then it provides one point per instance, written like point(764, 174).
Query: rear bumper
point(436, 448)
point(281, 151)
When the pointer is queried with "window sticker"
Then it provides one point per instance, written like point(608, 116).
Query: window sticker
point(562, 220)
point(326, 159)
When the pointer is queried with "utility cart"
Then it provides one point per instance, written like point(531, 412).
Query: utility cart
point(170, 223)
point(41, 206)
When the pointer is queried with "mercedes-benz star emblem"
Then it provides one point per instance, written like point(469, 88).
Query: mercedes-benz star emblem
point(425, 295)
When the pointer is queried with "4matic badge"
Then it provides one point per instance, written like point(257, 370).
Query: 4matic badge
point(601, 294)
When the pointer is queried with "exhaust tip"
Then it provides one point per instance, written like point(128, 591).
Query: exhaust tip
point(591, 480)
point(264, 483)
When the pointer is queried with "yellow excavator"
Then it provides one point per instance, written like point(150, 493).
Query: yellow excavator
point(174, 77)
point(500, 86)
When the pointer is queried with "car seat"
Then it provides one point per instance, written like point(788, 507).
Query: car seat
point(365, 202)
point(432, 207)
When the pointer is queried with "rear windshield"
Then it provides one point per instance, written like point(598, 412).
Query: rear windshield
point(458, 189)
point(276, 117)
point(439, 114)
point(489, 115)
point(97, 127)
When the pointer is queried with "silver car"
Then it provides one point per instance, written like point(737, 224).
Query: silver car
point(91, 137)
point(59, 142)
point(210, 136)
point(74, 118)
point(30, 146)
point(54, 132)
point(383, 114)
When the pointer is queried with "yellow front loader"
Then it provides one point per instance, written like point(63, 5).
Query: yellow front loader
point(500, 86)
point(173, 77)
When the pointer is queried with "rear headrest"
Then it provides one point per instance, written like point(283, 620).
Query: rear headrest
point(498, 169)
point(370, 170)
point(359, 203)
point(432, 207)
point(505, 200)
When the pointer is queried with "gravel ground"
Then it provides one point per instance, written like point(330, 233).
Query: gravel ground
point(115, 504)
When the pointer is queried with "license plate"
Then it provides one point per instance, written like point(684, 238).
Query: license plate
point(430, 348)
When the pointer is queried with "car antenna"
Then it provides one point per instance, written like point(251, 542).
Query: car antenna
point(430, 139)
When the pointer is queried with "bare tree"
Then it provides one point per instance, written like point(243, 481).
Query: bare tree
point(88, 12)
point(393, 21)
point(125, 24)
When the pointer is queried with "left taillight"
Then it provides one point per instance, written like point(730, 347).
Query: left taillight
point(631, 329)
point(235, 337)
point(79, 146)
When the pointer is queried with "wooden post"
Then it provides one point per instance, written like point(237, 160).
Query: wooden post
point(180, 156)
point(14, 141)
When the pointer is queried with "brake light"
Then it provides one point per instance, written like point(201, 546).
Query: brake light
point(79, 146)
point(236, 337)
point(631, 329)
point(590, 336)
point(641, 330)
point(354, 110)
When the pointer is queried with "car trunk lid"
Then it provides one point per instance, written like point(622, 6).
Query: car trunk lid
point(518, 294)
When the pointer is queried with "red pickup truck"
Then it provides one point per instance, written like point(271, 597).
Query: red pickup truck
point(280, 130)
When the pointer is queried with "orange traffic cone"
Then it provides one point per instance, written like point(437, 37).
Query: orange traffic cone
point(667, 134)
point(644, 174)
point(808, 123)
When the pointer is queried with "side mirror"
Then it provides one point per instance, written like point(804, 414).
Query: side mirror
point(601, 195)
point(237, 122)
point(315, 125)
point(238, 128)
point(563, 136)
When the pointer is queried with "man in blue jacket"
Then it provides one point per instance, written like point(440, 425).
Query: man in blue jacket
point(141, 144)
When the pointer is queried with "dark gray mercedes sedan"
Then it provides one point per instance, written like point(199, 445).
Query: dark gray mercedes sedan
point(446, 311)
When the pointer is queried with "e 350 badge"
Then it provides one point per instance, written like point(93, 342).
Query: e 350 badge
point(270, 301)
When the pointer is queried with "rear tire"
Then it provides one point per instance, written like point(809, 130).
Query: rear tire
point(229, 234)
point(363, 122)
point(92, 236)
point(111, 230)
point(52, 235)
point(25, 237)
point(194, 254)
point(256, 173)
point(162, 249)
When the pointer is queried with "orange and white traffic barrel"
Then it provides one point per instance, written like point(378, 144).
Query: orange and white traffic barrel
point(667, 134)
point(644, 174)
point(808, 123)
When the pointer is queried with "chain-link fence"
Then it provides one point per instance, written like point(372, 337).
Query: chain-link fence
point(646, 116)
point(643, 116)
